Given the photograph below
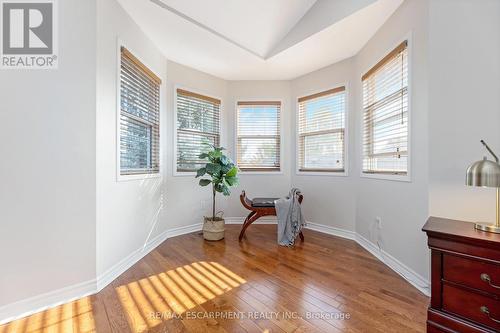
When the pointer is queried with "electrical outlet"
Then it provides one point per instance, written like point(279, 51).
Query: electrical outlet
point(379, 222)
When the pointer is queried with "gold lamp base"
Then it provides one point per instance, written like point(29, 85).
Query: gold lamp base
point(487, 227)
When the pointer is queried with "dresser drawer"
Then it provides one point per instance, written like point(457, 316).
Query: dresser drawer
point(472, 305)
point(472, 273)
point(432, 329)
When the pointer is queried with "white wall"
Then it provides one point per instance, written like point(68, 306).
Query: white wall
point(464, 103)
point(328, 199)
point(186, 202)
point(259, 184)
point(47, 196)
point(131, 213)
point(354, 202)
point(66, 220)
point(127, 211)
point(402, 206)
point(349, 203)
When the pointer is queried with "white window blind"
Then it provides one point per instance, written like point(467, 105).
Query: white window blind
point(321, 131)
point(139, 117)
point(385, 104)
point(197, 125)
point(258, 136)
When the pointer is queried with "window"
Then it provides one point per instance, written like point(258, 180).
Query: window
point(139, 117)
point(197, 125)
point(258, 136)
point(385, 104)
point(321, 131)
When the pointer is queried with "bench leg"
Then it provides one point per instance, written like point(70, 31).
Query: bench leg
point(249, 220)
point(252, 213)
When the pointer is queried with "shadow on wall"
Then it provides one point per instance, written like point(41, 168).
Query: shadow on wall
point(150, 190)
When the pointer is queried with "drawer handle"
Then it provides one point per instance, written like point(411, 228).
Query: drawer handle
point(486, 311)
point(486, 278)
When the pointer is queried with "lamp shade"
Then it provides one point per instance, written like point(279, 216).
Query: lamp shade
point(483, 173)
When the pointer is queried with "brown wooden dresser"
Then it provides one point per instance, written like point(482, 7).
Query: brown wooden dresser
point(465, 277)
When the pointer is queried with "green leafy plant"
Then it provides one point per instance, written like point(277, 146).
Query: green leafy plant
point(222, 173)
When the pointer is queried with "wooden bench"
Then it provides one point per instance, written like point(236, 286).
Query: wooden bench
point(259, 211)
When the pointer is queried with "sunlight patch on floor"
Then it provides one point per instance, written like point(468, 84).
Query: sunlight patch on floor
point(158, 298)
point(73, 317)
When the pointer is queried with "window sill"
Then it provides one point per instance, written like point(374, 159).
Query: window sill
point(322, 173)
point(184, 174)
point(126, 178)
point(270, 172)
point(397, 178)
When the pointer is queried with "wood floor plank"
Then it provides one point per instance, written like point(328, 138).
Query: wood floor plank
point(325, 284)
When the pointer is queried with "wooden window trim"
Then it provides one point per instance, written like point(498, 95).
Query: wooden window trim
point(263, 169)
point(385, 60)
point(259, 103)
point(139, 64)
point(198, 96)
point(321, 94)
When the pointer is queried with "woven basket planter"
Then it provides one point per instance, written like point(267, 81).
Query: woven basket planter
point(213, 230)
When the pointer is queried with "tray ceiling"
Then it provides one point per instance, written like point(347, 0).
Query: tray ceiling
point(259, 39)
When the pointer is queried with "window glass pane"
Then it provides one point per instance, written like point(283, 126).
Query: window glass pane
point(321, 126)
point(324, 114)
point(258, 121)
point(324, 151)
point(258, 131)
point(197, 125)
point(135, 145)
point(139, 117)
point(385, 102)
point(390, 135)
point(388, 80)
point(139, 95)
point(189, 146)
point(197, 115)
point(387, 164)
point(258, 152)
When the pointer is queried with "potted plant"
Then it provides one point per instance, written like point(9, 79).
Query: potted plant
point(222, 174)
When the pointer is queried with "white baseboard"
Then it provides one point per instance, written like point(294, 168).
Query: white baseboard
point(119, 268)
point(68, 294)
point(313, 226)
point(326, 229)
point(42, 302)
point(397, 266)
point(184, 230)
point(310, 225)
point(45, 301)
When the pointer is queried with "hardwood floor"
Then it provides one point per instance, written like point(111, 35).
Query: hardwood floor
point(326, 284)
